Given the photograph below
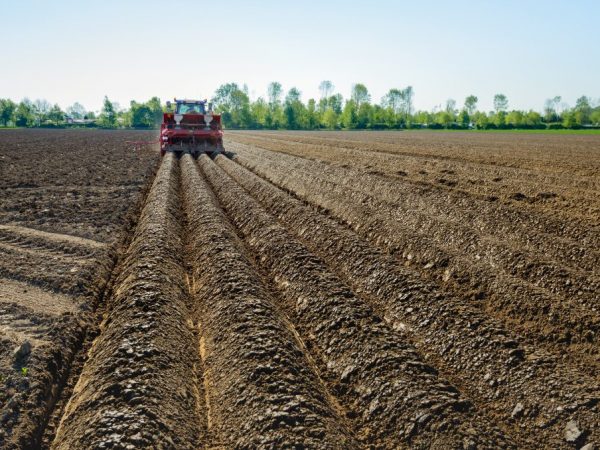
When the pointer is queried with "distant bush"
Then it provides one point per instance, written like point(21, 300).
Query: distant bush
point(379, 126)
point(435, 126)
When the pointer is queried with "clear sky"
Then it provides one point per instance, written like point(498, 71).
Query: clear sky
point(530, 50)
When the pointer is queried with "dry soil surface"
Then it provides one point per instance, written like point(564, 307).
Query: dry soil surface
point(304, 290)
point(64, 200)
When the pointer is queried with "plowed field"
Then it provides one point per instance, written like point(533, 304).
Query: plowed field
point(304, 290)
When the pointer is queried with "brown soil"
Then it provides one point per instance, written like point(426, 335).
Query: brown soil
point(64, 199)
point(309, 290)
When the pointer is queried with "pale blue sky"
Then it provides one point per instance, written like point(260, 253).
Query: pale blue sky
point(67, 51)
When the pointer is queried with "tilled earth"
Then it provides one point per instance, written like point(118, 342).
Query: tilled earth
point(305, 290)
point(64, 202)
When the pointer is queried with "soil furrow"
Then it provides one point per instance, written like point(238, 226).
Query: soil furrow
point(138, 386)
point(328, 289)
point(497, 252)
point(489, 363)
point(261, 389)
point(539, 314)
point(63, 242)
point(476, 150)
point(391, 395)
point(59, 273)
point(487, 218)
point(48, 247)
point(28, 251)
point(572, 192)
point(580, 224)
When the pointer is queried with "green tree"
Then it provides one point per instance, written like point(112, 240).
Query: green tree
point(108, 115)
point(25, 113)
point(500, 119)
point(140, 115)
point(322, 105)
point(41, 109)
point(156, 111)
point(56, 115)
point(515, 119)
point(275, 92)
point(424, 118)
point(330, 119)
point(533, 119)
point(259, 110)
point(349, 117)
point(569, 120)
point(312, 114)
point(360, 94)
point(234, 105)
point(449, 118)
point(382, 118)
point(275, 118)
point(551, 109)
point(500, 103)
point(444, 118)
point(471, 104)
point(595, 117)
point(583, 111)
point(407, 102)
point(335, 102)
point(481, 120)
point(294, 110)
point(364, 116)
point(464, 119)
point(7, 111)
point(393, 99)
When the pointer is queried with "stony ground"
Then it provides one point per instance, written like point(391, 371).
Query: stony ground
point(326, 290)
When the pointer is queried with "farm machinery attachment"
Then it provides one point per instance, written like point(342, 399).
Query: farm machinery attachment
point(191, 128)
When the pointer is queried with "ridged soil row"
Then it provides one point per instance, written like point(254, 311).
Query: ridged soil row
point(47, 269)
point(390, 394)
point(572, 229)
point(261, 389)
point(385, 162)
point(448, 226)
point(489, 363)
point(465, 218)
point(533, 164)
point(101, 289)
point(533, 233)
point(526, 230)
point(537, 312)
point(49, 367)
point(138, 387)
point(58, 243)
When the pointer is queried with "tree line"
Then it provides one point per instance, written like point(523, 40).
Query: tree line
point(286, 110)
point(40, 113)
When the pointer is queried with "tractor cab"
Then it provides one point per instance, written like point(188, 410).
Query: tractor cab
point(190, 107)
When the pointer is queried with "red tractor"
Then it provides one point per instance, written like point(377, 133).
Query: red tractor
point(192, 128)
